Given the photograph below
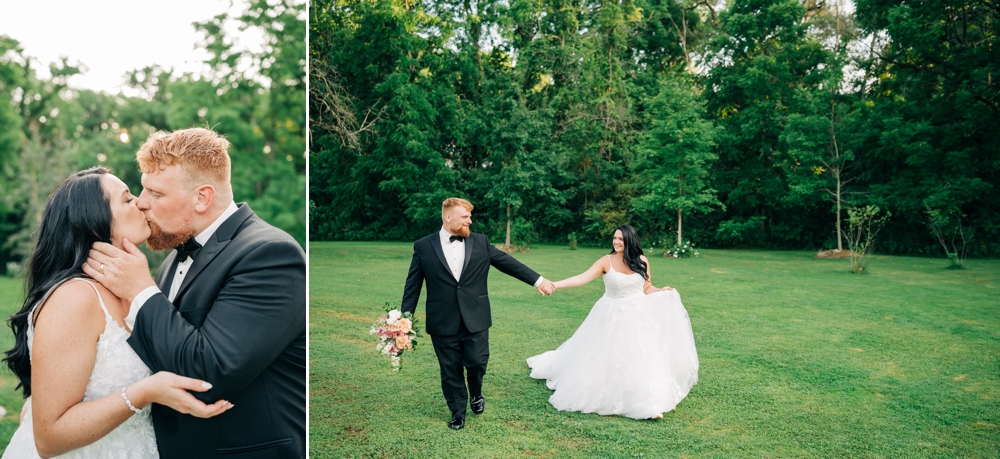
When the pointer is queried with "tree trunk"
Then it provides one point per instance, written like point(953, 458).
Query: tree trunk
point(508, 225)
point(840, 243)
point(680, 219)
point(838, 166)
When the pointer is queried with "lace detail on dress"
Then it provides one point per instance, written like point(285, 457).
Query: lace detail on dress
point(116, 366)
point(620, 285)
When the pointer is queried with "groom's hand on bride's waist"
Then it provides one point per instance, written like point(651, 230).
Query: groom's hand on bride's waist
point(124, 272)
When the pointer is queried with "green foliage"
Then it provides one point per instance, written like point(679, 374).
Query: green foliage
point(675, 158)
point(11, 296)
point(951, 231)
point(572, 238)
point(763, 119)
point(935, 105)
point(864, 224)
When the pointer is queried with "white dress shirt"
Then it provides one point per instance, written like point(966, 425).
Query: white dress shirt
point(182, 268)
point(454, 253)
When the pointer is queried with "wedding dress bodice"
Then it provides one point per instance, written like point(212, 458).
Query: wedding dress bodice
point(619, 285)
point(116, 366)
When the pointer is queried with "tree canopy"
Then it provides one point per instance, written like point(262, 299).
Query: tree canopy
point(749, 123)
point(49, 129)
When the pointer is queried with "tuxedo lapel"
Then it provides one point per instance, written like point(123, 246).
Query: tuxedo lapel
point(222, 237)
point(165, 274)
point(435, 240)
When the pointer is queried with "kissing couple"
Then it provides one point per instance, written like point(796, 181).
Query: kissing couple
point(207, 359)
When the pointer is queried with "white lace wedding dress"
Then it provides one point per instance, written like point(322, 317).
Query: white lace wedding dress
point(633, 355)
point(116, 366)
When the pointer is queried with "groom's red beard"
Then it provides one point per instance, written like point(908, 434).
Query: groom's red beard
point(162, 240)
point(463, 231)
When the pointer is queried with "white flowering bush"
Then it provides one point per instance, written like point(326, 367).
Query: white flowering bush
point(685, 250)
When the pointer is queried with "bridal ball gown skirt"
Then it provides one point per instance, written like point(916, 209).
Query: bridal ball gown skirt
point(633, 356)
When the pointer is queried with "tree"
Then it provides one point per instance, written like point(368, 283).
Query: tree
point(763, 66)
point(935, 105)
point(676, 155)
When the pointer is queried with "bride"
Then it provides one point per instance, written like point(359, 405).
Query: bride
point(89, 392)
point(634, 354)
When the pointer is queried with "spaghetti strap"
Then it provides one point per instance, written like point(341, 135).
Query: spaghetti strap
point(107, 315)
point(611, 264)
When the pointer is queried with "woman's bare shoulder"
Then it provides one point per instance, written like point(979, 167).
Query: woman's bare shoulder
point(74, 300)
point(604, 262)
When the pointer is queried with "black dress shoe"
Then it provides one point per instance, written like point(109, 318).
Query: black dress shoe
point(457, 423)
point(478, 405)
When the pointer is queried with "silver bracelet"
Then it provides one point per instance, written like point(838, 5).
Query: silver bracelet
point(129, 402)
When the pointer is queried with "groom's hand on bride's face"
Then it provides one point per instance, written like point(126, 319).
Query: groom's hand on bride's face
point(124, 272)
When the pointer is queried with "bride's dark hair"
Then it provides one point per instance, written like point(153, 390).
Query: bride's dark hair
point(77, 214)
point(632, 251)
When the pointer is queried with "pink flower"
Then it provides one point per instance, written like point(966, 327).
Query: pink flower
point(403, 342)
point(406, 324)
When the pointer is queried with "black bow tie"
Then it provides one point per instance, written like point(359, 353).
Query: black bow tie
point(456, 238)
point(187, 249)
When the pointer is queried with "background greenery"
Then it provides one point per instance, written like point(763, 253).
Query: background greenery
point(751, 119)
point(256, 99)
point(799, 358)
point(11, 296)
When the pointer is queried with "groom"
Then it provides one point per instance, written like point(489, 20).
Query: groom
point(455, 264)
point(227, 307)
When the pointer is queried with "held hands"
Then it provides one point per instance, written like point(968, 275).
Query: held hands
point(546, 288)
point(169, 389)
point(124, 272)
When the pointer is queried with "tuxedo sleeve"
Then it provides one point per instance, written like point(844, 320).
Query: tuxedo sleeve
point(257, 314)
point(510, 266)
point(414, 283)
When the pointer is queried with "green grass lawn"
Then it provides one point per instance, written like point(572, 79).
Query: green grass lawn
point(799, 358)
point(11, 296)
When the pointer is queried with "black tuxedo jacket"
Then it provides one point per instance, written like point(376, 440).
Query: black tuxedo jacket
point(449, 300)
point(238, 322)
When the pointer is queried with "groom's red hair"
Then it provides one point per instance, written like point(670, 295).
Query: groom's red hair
point(202, 154)
point(455, 202)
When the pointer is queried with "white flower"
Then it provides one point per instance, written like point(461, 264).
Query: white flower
point(394, 316)
point(675, 255)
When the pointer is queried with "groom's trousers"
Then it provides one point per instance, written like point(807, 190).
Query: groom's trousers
point(457, 355)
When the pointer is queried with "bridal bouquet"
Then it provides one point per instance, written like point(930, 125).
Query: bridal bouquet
point(396, 334)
